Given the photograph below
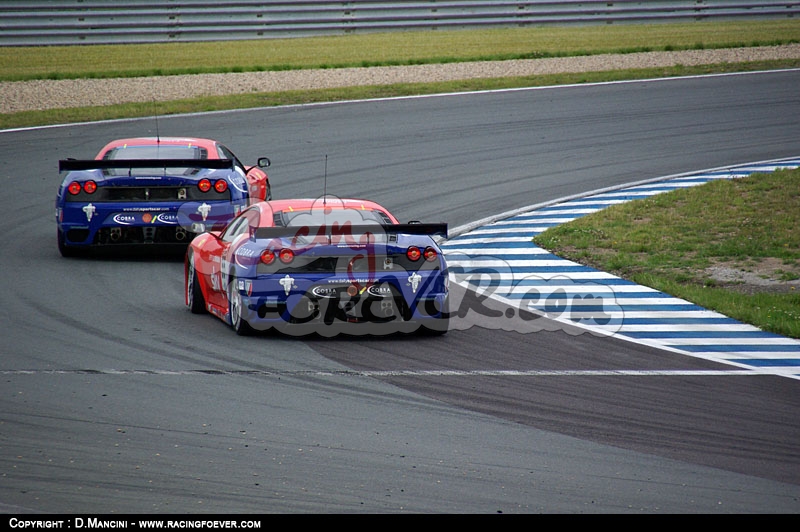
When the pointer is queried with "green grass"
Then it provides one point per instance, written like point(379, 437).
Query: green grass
point(270, 99)
point(396, 48)
point(673, 241)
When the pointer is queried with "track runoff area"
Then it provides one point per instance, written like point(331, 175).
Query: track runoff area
point(497, 260)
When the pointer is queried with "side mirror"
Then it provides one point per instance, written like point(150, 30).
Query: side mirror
point(264, 162)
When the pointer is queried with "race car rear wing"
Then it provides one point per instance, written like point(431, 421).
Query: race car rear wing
point(337, 230)
point(66, 165)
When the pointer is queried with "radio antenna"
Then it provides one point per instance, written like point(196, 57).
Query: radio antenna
point(325, 184)
point(155, 115)
point(158, 134)
point(325, 198)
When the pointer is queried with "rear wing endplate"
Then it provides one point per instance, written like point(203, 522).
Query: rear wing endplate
point(94, 164)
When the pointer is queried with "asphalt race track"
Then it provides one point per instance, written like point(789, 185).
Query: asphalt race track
point(115, 399)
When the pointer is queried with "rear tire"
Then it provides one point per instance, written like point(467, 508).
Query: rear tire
point(236, 308)
point(195, 301)
point(438, 326)
point(64, 249)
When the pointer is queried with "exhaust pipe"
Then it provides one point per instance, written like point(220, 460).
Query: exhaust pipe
point(116, 234)
point(180, 234)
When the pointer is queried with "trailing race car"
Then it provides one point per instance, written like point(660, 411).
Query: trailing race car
point(153, 190)
point(328, 266)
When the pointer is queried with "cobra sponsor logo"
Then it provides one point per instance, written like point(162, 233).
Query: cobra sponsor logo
point(124, 219)
point(148, 218)
point(325, 291)
point(167, 218)
point(338, 290)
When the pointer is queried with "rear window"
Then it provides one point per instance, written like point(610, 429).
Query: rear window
point(156, 152)
point(338, 216)
point(126, 153)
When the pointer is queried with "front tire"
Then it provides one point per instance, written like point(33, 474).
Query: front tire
point(236, 309)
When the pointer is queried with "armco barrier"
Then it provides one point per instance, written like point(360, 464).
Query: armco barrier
point(64, 22)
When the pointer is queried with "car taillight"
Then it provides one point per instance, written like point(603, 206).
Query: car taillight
point(204, 185)
point(74, 188)
point(430, 254)
point(221, 186)
point(413, 253)
point(89, 187)
point(268, 256)
point(286, 256)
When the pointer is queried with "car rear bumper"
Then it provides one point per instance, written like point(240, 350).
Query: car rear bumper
point(88, 224)
point(333, 305)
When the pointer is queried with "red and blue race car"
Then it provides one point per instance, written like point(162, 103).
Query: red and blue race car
point(326, 266)
point(153, 190)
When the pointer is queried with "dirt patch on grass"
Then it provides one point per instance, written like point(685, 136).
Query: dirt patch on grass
point(767, 275)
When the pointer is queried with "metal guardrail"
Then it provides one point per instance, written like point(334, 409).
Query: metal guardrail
point(65, 22)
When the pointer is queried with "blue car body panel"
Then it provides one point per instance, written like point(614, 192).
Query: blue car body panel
point(337, 283)
point(379, 296)
point(150, 204)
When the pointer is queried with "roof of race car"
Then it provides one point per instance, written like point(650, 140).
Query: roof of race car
point(209, 145)
point(277, 216)
point(270, 208)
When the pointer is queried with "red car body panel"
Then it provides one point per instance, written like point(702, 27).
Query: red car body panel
point(257, 179)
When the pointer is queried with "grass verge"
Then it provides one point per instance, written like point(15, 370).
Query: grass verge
point(269, 99)
point(384, 49)
point(731, 246)
point(381, 49)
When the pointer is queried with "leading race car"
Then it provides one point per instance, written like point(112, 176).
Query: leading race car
point(327, 266)
point(153, 190)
